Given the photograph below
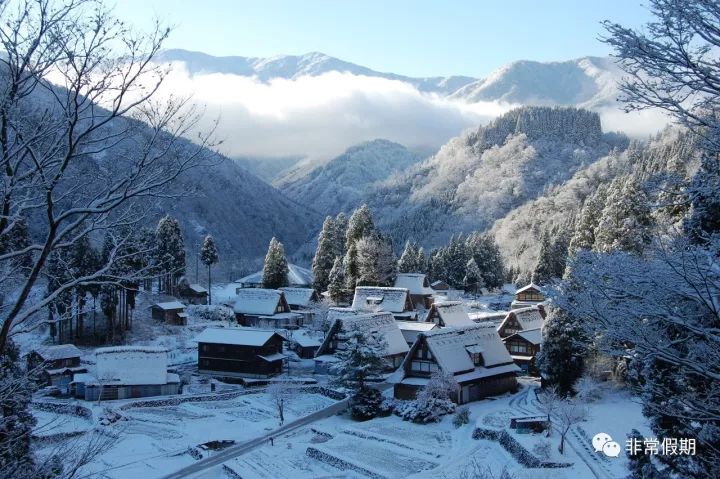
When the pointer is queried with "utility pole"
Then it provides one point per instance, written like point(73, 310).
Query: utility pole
point(197, 263)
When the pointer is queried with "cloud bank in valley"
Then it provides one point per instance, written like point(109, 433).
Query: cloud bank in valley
point(321, 116)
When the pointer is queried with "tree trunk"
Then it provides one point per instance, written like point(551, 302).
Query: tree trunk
point(209, 286)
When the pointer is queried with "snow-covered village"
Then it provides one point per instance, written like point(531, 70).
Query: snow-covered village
point(480, 242)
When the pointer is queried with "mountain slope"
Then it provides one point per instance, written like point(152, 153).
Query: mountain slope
point(342, 183)
point(481, 175)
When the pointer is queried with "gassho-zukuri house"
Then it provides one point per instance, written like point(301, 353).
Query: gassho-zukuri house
point(448, 313)
point(473, 354)
point(240, 352)
point(298, 277)
point(381, 323)
point(530, 295)
point(522, 320)
point(421, 294)
point(264, 308)
point(125, 372)
point(393, 300)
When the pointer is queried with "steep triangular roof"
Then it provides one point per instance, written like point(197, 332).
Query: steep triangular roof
point(449, 347)
point(299, 296)
point(529, 287)
point(394, 300)
point(381, 322)
point(258, 301)
point(416, 283)
point(449, 313)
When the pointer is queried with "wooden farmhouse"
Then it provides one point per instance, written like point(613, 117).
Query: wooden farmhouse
point(530, 295)
point(126, 372)
point(524, 346)
point(381, 323)
point(302, 301)
point(448, 313)
point(171, 312)
point(56, 365)
point(393, 300)
point(522, 320)
point(298, 277)
point(421, 294)
point(193, 293)
point(304, 342)
point(473, 354)
point(240, 352)
point(265, 308)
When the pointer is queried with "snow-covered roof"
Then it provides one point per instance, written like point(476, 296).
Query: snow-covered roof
point(415, 326)
point(382, 322)
point(337, 312)
point(393, 300)
point(59, 351)
point(305, 338)
point(495, 316)
point(439, 284)
point(236, 336)
point(169, 305)
point(132, 365)
point(487, 372)
point(297, 276)
point(257, 301)
point(533, 336)
point(452, 313)
point(271, 358)
point(529, 318)
point(298, 296)
point(196, 288)
point(416, 283)
point(448, 346)
point(529, 287)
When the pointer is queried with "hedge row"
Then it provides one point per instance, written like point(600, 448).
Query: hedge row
point(58, 408)
point(338, 463)
point(516, 450)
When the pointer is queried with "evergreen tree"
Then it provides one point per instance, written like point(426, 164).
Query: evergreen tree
point(58, 273)
point(552, 256)
point(360, 225)
point(16, 422)
point(565, 346)
point(339, 234)
point(363, 358)
point(587, 223)
point(626, 221)
point(275, 269)
point(336, 287)
point(473, 278)
point(421, 261)
point(352, 268)
point(485, 251)
point(408, 262)
point(209, 256)
point(704, 220)
point(377, 265)
point(84, 261)
point(170, 251)
point(325, 254)
point(14, 239)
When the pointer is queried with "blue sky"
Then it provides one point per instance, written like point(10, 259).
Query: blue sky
point(411, 37)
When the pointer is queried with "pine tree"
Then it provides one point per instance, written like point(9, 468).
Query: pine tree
point(377, 265)
point(473, 278)
point(626, 222)
point(84, 261)
point(409, 258)
point(590, 215)
point(170, 251)
point(565, 345)
point(325, 254)
point(360, 225)
point(352, 269)
point(485, 251)
point(336, 287)
point(704, 220)
point(552, 257)
point(363, 358)
point(275, 269)
point(421, 261)
point(209, 256)
point(339, 234)
point(16, 422)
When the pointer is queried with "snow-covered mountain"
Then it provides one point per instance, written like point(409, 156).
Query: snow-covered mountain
point(344, 182)
point(587, 82)
point(295, 66)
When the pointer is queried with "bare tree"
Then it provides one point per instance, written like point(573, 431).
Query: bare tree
point(82, 142)
point(548, 402)
point(281, 393)
point(568, 413)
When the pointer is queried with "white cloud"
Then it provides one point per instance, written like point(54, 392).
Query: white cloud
point(321, 116)
point(636, 124)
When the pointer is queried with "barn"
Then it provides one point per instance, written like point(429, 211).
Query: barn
point(240, 352)
point(265, 308)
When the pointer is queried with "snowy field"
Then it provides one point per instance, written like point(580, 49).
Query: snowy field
point(392, 448)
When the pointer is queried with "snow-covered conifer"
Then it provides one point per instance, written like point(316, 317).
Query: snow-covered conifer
point(209, 256)
point(336, 287)
point(275, 269)
point(564, 347)
point(325, 254)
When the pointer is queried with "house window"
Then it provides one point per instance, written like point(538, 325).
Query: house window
point(518, 348)
point(423, 366)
